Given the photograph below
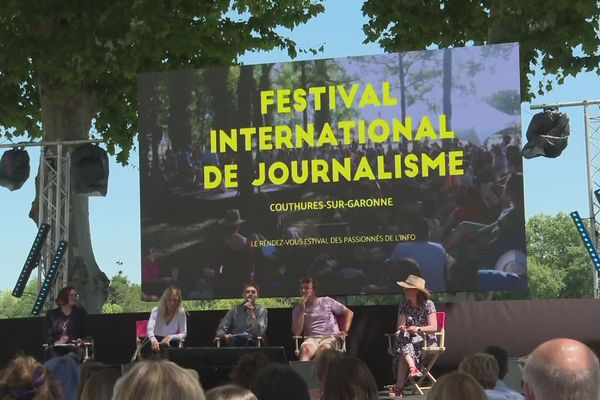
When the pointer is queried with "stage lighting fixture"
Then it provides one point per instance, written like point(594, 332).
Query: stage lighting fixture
point(589, 246)
point(89, 170)
point(547, 134)
point(32, 260)
point(597, 194)
point(49, 280)
point(14, 168)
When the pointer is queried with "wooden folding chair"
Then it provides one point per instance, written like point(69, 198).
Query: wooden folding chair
point(431, 353)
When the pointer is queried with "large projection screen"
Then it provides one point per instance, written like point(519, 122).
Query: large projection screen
point(356, 171)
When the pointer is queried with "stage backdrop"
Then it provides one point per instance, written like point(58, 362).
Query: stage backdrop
point(357, 171)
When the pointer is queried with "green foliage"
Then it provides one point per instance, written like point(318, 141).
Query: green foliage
point(560, 38)
point(57, 54)
point(12, 307)
point(124, 296)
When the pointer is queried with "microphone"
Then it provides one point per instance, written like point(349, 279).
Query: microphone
point(409, 321)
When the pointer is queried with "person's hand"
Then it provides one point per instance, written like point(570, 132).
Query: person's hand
point(155, 346)
point(303, 301)
point(343, 334)
point(63, 339)
point(166, 340)
point(226, 337)
point(401, 328)
point(412, 329)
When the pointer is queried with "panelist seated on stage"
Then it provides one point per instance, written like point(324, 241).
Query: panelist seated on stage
point(167, 325)
point(245, 323)
point(317, 319)
point(65, 327)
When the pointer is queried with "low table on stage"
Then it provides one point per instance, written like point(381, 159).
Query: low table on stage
point(215, 363)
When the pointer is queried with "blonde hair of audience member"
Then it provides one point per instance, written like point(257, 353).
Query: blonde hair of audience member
point(24, 377)
point(168, 309)
point(457, 386)
point(100, 384)
point(483, 367)
point(562, 369)
point(348, 378)
point(322, 362)
point(158, 380)
point(229, 392)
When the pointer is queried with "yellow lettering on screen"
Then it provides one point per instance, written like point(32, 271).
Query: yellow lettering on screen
point(411, 163)
point(401, 129)
point(425, 129)
point(332, 98)
point(299, 174)
point(456, 162)
point(369, 97)
point(227, 140)
point(381, 172)
point(317, 91)
point(300, 103)
point(212, 177)
point(283, 101)
point(266, 99)
point(388, 99)
point(319, 169)
point(444, 132)
point(247, 133)
point(265, 138)
point(230, 175)
point(348, 98)
point(346, 127)
point(327, 136)
point(283, 136)
point(381, 135)
point(363, 170)
point(428, 163)
point(285, 173)
point(343, 168)
point(305, 136)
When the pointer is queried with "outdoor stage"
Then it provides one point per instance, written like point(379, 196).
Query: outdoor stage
point(518, 326)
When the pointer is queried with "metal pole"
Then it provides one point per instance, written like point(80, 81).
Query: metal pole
point(44, 144)
point(590, 172)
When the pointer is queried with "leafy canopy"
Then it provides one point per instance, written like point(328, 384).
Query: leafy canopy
point(97, 48)
point(559, 37)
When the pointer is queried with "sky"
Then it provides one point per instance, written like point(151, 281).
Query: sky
point(551, 185)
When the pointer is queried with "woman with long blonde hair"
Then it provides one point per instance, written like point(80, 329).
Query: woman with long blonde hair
point(167, 325)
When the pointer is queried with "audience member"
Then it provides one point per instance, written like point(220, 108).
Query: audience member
point(484, 368)
point(100, 385)
point(348, 378)
point(416, 317)
point(229, 392)
point(457, 386)
point(167, 325)
point(244, 323)
point(562, 369)
point(316, 316)
point(66, 371)
point(246, 369)
point(501, 388)
point(64, 325)
point(157, 380)
point(322, 362)
point(25, 378)
point(277, 382)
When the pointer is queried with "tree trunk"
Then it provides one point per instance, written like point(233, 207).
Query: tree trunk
point(67, 116)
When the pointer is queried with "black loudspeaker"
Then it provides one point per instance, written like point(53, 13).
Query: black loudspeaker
point(214, 364)
point(547, 134)
point(14, 168)
point(89, 170)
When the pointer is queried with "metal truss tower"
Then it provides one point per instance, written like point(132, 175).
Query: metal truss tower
point(591, 114)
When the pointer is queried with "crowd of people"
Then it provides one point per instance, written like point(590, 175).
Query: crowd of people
point(557, 369)
point(467, 231)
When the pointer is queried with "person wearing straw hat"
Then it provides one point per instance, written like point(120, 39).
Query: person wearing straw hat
point(416, 316)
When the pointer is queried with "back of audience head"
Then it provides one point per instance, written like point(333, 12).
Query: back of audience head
point(501, 357)
point(66, 371)
point(279, 381)
point(158, 380)
point(562, 369)
point(229, 392)
point(483, 367)
point(24, 378)
point(247, 367)
point(322, 362)
point(457, 386)
point(100, 385)
point(348, 378)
